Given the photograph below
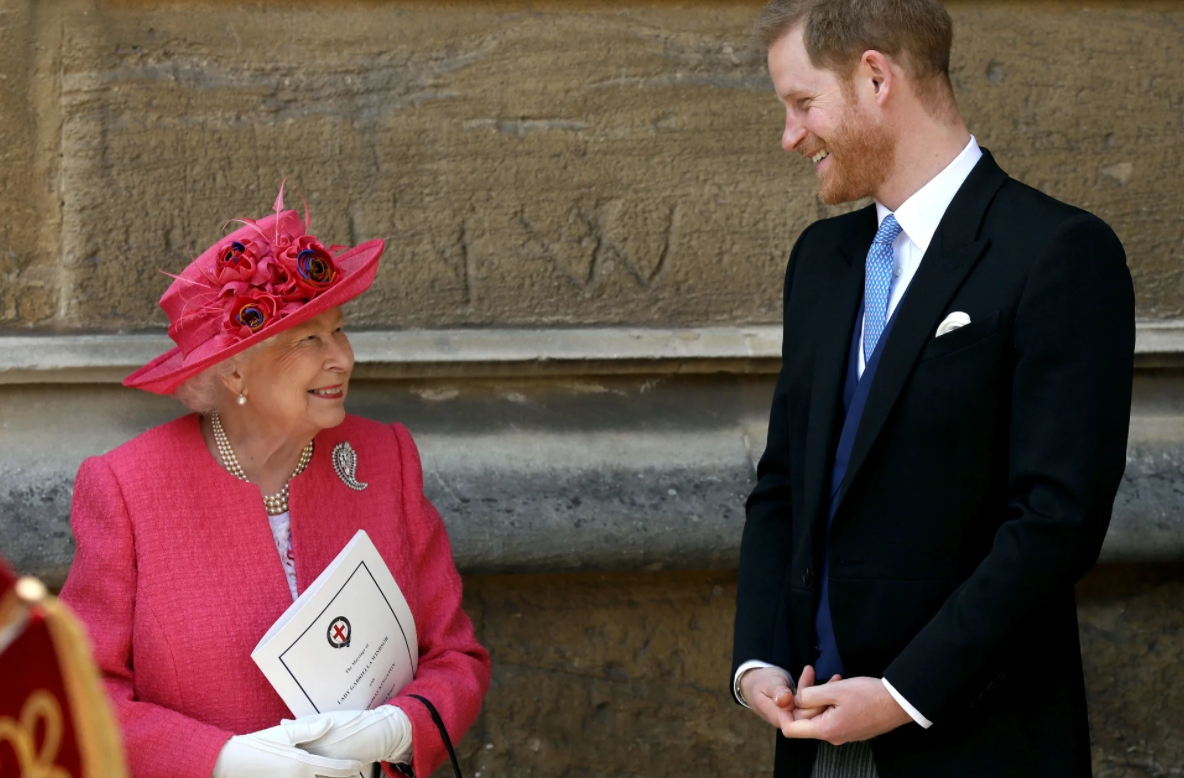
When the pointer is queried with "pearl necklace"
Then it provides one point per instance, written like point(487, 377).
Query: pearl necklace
point(275, 503)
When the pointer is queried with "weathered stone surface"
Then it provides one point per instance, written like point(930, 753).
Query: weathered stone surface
point(29, 213)
point(537, 163)
point(1132, 641)
point(35, 533)
point(626, 675)
point(1033, 92)
point(622, 675)
point(1147, 523)
point(595, 473)
point(510, 169)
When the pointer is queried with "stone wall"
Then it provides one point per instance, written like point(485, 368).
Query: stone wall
point(622, 675)
point(528, 162)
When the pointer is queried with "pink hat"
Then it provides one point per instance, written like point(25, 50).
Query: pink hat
point(259, 280)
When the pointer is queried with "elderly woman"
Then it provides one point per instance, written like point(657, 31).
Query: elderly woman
point(194, 537)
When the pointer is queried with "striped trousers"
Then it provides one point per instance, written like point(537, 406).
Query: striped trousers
point(850, 760)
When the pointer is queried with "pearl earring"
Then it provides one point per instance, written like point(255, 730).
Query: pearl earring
point(242, 398)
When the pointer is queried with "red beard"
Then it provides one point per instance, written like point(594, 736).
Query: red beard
point(861, 156)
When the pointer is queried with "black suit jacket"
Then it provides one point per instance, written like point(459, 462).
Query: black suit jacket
point(979, 488)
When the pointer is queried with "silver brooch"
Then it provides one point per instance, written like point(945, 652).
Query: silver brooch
point(345, 462)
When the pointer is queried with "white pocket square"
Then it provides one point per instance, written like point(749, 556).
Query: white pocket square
point(952, 322)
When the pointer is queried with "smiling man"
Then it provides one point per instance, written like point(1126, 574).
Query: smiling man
point(947, 433)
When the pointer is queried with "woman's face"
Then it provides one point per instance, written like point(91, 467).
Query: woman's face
point(298, 383)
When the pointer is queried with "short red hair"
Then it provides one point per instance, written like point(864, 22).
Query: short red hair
point(916, 34)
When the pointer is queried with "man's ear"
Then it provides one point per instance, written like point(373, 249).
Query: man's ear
point(876, 72)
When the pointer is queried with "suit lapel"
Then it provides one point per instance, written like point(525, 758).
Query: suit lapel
point(844, 285)
point(953, 252)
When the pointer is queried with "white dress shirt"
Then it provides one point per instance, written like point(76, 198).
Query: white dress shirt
point(918, 218)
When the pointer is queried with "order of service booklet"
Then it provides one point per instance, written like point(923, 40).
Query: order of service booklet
point(347, 643)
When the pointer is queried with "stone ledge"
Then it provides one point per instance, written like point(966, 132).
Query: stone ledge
point(387, 354)
point(1159, 344)
point(519, 502)
point(432, 353)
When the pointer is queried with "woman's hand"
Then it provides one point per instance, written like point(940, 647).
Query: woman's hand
point(379, 735)
point(275, 753)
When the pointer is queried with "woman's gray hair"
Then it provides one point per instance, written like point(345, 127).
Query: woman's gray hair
point(205, 393)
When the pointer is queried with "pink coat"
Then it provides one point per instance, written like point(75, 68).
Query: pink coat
point(177, 577)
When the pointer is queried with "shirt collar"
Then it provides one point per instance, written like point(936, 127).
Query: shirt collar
point(919, 215)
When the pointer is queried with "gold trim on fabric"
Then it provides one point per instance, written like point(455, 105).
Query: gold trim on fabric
point(99, 740)
point(33, 762)
point(99, 743)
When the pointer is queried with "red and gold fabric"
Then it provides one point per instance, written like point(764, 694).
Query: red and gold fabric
point(55, 720)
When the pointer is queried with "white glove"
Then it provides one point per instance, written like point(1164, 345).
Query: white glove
point(379, 735)
point(274, 753)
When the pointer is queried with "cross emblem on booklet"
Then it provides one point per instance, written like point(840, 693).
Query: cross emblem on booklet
point(339, 632)
point(357, 608)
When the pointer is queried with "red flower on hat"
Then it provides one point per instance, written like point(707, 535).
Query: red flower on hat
point(259, 279)
point(266, 281)
point(309, 268)
point(240, 261)
point(251, 312)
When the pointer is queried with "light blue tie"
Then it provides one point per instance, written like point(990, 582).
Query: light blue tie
point(877, 283)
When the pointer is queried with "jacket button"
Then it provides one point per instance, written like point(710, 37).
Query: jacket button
point(808, 578)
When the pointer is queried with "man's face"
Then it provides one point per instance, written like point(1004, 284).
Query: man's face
point(826, 122)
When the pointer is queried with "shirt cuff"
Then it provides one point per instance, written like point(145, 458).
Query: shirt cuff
point(751, 664)
point(909, 709)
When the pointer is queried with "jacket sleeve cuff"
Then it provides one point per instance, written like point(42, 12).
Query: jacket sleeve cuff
point(909, 709)
point(751, 664)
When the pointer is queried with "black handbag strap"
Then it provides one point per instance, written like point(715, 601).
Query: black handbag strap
point(443, 733)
